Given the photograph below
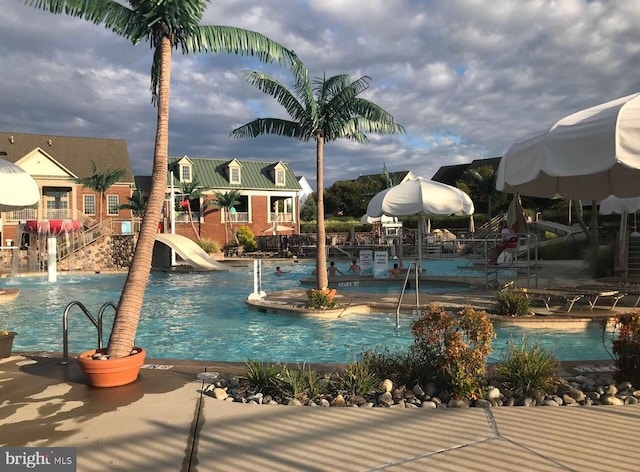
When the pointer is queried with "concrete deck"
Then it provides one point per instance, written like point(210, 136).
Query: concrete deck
point(163, 422)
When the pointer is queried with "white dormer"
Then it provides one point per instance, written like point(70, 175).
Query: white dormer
point(185, 170)
point(235, 172)
point(279, 174)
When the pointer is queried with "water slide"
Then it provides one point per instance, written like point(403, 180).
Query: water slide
point(559, 229)
point(189, 252)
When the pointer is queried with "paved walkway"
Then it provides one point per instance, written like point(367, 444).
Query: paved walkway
point(162, 422)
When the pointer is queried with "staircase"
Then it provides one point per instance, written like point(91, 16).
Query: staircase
point(634, 256)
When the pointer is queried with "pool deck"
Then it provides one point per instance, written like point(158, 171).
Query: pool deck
point(164, 422)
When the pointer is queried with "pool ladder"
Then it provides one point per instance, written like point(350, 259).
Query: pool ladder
point(404, 288)
point(97, 322)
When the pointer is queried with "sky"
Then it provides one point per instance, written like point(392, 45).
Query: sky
point(466, 78)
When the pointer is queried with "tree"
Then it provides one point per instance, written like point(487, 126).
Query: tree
point(191, 191)
point(165, 25)
point(226, 201)
point(137, 204)
point(483, 181)
point(309, 209)
point(101, 182)
point(325, 110)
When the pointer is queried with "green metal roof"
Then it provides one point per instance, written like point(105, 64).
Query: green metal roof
point(255, 175)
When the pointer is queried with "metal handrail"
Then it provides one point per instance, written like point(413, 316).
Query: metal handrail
point(96, 322)
point(404, 287)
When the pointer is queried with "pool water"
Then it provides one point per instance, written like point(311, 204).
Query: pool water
point(202, 316)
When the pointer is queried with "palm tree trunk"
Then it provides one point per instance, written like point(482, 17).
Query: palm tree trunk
point(193, 226)
point(128, 313)
point(322, 280)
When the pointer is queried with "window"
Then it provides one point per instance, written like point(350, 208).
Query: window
point(235, 175)
point(113, 203)
point(280, 177)
point(89, 204)
point(185, 173)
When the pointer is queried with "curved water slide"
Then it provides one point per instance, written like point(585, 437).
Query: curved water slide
point(189, 252)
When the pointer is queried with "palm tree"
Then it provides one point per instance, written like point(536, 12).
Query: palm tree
point(137, 204)
point(325, 110)
point(165, 25)
point(191, 191)
point(101, 182)
point(486, 182)
point(226, 202)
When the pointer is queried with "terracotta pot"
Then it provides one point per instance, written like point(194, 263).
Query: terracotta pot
point(6, 343)
point(330, 292)
point(111, 372)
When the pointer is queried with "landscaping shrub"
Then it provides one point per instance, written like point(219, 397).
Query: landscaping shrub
point(303, 384)
point(510, 303)
point(526, 368)
point(357, 378)
point(262, 377)
point(246, 239)
point(319, 299)
point(209, 245)
point(626, 347)
point(455, 347)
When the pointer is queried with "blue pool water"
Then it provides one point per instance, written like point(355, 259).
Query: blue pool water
point(202, 316)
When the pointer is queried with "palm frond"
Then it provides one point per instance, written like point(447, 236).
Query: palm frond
point(273, 87)
point(273, 126)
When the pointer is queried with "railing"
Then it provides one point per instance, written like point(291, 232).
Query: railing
point(97, 322)
point(237, 217)
point(404, 287)
point(279, 217)
point(81, 239)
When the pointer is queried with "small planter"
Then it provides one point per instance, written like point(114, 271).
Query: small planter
point(6, 343)
point(329, 292)
point(111, 372)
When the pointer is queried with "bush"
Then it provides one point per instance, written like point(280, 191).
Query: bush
point(602, 264)
point(246, 239)
point(302, 384)
point(262, 377)
point(526, 368)
point(510, 303)
point(319, 299)
point(357, 378)
point(455, 348)
point(626, 347)
point(209, 245)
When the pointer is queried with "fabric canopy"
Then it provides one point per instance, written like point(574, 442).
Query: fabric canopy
point(420, 197)
point(611, 205)
point(588, 155)
point(18, 190)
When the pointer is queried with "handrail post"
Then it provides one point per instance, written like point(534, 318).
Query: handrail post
point(96, 322)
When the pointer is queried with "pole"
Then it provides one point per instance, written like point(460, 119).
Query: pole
point(173, 219)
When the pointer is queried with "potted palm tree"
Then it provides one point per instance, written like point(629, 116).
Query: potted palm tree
point(6, 343)
point(165, 26)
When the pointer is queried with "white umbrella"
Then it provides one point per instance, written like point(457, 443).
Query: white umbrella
point(420, 197)
point(18, 190)
point(367, 220)
point(275, 229)
point(617, 205)
point(590, 155)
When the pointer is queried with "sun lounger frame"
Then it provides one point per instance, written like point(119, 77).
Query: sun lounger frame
point(571, 295)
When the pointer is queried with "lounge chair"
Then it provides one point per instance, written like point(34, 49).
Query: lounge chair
point(571, 295)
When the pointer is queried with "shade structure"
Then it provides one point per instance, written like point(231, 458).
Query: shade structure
point(420, 197)
point(18, 190)
point(588, 155)
point(616, 205)
point(275, 229)
point(368, 220)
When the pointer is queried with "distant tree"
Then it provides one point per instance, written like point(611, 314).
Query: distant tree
point(347, 197)
point(137, 204)
point(481, 186)
point(226, 201)
point(101, 181)
point(309, 209)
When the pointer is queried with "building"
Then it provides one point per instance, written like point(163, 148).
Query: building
point(55, 163)
point(268, 198)
point(451, 174)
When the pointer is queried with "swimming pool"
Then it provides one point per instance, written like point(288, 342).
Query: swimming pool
point(202, 316)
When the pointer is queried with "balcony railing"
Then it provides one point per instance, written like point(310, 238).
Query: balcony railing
point(279, 217)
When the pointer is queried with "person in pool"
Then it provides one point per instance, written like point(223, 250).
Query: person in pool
point(333, 269)
point(279, 271)
point(395, 270)
point(354, 267)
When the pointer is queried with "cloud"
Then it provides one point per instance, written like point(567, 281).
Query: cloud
point(465, 77)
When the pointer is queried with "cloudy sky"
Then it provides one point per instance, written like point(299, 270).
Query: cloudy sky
point(465, 77)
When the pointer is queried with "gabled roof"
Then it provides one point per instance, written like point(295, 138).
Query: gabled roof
point(450, 174)
point(75, 154)
point(397, 177)
point(256, 175)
